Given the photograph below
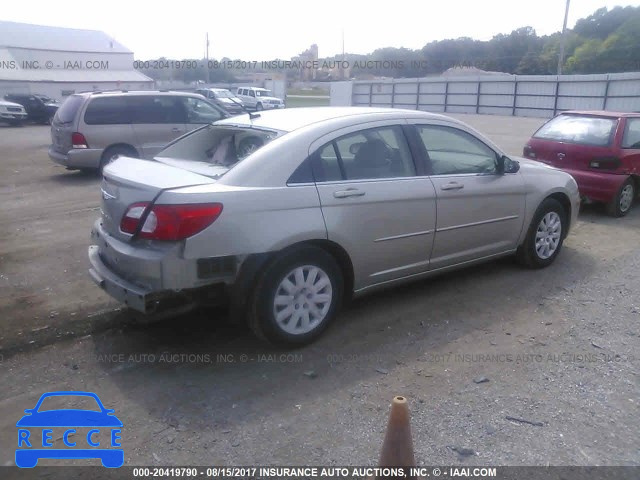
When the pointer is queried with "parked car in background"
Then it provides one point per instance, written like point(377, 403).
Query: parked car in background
point(40, 108)
point(601, 150)
point(91, 129)
point(255, 98)
point(224, 99)
point(12, 113)
point(287, 213)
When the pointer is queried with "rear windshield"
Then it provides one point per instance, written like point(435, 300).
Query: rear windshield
point(215, 146)
point(67, 111)
point(585, 130)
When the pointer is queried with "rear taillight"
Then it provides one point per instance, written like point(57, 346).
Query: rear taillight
point(528, 152)
point(169, 222)
point(78, 140)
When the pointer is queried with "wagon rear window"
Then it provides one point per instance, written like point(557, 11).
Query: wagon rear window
point(585, 130)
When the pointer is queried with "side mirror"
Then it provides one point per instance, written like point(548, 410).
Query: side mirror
point(506, 165)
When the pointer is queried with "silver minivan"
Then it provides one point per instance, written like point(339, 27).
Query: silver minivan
point(91, 129)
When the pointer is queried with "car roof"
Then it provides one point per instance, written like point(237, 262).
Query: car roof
point(114, 93)
point(290, 119)
point(602, 113)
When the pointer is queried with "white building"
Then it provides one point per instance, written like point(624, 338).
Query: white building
point(58, 61)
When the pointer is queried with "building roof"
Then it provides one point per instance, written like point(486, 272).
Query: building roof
point(41, 37)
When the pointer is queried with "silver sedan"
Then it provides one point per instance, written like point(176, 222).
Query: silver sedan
point(284, 215)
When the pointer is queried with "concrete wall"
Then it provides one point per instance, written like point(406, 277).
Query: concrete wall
point(520, 95)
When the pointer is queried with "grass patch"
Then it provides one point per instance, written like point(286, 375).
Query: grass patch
point(307, 102)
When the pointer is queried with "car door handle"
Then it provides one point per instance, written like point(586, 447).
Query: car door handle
point(452, 186)
point(350, 192)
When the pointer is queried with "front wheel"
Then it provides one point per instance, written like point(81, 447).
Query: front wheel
point(545, 235)
point(259, 107)
point(622, 202)
point(296, 297)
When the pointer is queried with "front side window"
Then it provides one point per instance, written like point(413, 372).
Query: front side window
point(452, 151)
point(584, 130)
point(374, 153)
point(199, 111)
point(631, 137)
point(252, 93)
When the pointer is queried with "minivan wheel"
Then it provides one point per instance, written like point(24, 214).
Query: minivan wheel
point(296, 297)
point(111, 153)
point(545, 235)
point(622, 202)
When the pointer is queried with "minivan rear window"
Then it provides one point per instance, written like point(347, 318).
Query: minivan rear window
point(67, 111)
point(581, 129)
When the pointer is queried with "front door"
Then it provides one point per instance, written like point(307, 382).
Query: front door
point(480, 211)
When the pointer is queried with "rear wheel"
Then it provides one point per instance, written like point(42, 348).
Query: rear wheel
point(622, 202)
point(111, 153)
point(296, 297)
point(545, 235)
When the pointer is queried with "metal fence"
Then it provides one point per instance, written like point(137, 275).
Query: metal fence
point(518, 95)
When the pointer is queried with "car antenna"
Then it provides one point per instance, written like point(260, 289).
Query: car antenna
point(253, 115)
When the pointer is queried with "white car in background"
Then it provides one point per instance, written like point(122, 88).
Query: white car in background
point(255, 98)
point(12, 113)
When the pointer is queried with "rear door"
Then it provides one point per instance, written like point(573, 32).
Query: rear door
point(480, 211)
point(157, 120)
point(375, 203)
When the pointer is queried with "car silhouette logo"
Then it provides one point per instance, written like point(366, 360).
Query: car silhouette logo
point(33, 446)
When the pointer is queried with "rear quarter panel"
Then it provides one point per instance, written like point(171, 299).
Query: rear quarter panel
point(253, 220)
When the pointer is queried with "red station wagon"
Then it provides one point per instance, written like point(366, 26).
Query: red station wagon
point(601, 150)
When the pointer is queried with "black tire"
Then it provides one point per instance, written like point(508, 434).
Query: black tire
point(111, 153)
point(533, 256)
point(621, 204)
point(261, 314)
point(259, 107)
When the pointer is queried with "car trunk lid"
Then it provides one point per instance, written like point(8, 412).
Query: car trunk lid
point(129, 180)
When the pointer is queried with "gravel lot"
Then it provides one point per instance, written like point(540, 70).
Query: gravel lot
point(557, 348)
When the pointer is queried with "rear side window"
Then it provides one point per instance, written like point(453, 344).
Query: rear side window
point(107, 111)
point(631, 137)
point(69, 108)
point(584, 130)
point(149, 109)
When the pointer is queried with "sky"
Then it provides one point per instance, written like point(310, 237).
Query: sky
point(267, 29)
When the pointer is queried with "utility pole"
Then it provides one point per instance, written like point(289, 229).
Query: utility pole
point(563, 39)
point(207, 58)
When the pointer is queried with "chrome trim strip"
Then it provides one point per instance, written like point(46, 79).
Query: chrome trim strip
point(493, 220)
point(404, 267)
point(404, 235)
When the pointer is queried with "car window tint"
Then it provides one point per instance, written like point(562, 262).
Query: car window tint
point(68, 109)
point(452, 151)
point(148, 109)
point(375, 153)
point(585, 130)
point(107, 111)
point(631, 137)
point(326, 166)
point(200, 111)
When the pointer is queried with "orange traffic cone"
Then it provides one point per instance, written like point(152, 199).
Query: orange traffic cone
point(397, 448)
